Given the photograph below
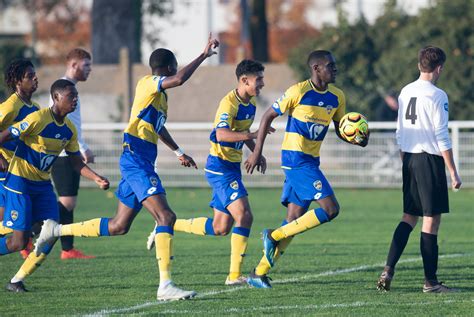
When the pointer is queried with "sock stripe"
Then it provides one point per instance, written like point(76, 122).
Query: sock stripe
point(284, 222)
point(321, 215)
point(209, 228)
point(164, 229)
point(241, 231)
point(104, 227)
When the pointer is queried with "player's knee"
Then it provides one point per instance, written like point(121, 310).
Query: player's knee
point(332, 211)
point(117, 228)
point(222, 229)
point(167, 218)
point(245, 219)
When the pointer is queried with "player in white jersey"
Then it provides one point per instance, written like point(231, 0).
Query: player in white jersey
point(425, 149)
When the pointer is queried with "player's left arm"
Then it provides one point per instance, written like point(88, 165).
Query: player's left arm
point(166, 138)
point(87, 172)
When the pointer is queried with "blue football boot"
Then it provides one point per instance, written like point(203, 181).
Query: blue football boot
point(259, 281)
point(269, 246)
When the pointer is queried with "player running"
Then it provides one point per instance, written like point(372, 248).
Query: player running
point(311, 106)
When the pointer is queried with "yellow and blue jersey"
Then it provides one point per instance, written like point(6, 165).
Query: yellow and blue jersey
point(236, 115)
point(310, 113)
point(149, 112)
point(40, 141)
point(12, 111)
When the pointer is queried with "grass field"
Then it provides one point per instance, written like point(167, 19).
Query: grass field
point(330, 270)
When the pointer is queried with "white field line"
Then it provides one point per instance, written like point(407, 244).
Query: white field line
point(106, 312)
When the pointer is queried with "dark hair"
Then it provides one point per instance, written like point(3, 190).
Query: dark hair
point(161, 57)
point(16, 71)
point(248, 66)
point(60, 85)
point(316, 56)
point(431, 57)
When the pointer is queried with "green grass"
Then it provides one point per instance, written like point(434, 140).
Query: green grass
point(124, 274)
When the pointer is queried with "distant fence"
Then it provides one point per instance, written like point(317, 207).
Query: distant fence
point(376, 166)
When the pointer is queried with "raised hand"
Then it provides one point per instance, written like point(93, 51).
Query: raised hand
point(187, 161)
point(212, 44)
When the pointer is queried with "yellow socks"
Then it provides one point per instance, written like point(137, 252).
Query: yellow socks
point(4, 230)
point(164, 255)
point(91, 228)
point(201, 226)
point(238, 246)
point(263, 267)
point(30, 265)
point(309, 220)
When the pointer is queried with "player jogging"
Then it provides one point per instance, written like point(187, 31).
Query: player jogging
point(140, 185)
point(425, 148)
point(311, 106)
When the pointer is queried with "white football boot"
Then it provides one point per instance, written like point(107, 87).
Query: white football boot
point(171, 292)
point(150, 243)
point(49, 231)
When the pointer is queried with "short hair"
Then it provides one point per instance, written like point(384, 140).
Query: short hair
point(78, 54)
point(60, 85)
point(317, 56)
point(161, 57)
point(248, 66)
point(431, 57)
point(16, 71)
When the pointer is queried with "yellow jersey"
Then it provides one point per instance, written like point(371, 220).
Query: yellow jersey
point(309, 114)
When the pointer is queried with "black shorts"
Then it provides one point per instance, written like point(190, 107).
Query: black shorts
point(425, 189)
point(65, 178)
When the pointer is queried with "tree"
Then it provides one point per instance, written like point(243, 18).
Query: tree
point(259, 31)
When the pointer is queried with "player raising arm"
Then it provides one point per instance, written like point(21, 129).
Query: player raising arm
point(140, 185)
point(311, 106)
point(29, 194)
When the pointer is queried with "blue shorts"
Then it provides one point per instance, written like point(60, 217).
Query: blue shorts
point(226, 189)
point(304, 185)
point(22, 210)
point(139, 181)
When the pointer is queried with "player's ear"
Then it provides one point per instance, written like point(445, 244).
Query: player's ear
point(244, 79)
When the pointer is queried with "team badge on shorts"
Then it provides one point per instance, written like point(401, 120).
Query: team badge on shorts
point(318, 185)
point(151, 190)
point(14, 215)
point(234, 185)
point(153, 181)
point(24, 126)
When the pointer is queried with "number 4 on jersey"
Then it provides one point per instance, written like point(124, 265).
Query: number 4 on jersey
point(411, 110)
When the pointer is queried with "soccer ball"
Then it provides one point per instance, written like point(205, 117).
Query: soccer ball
point(353, 126)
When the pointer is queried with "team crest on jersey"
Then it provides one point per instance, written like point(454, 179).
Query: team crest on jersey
point(224, 116)
point(234, 185)
point(329, 108)
point(318, 185)
point(234, 195)
point(14, 215)
point(446, 106)
point(154, 181)
point(24, 126)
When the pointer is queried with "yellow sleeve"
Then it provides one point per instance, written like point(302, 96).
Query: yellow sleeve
point(8, 114)
point(341, 108)
point(225, 115)
point(152, 84)
point(31, 125)
point(288, 100)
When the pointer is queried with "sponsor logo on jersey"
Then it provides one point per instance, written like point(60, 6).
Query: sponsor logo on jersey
point(318, 185)
point(9, 223)
point(222, 124)
point(234, 185)
point(15, 132)
point(224, 116)
point(320, 103)
point(153, 181)
point(14, 215)
point(234, 195)
point(57, 136)
point(24, 126)
point(151, 190)
point(276, 105)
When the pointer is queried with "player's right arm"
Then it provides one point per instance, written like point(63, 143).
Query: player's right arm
point(4, 137)
point(265, 125)
point(183, 74)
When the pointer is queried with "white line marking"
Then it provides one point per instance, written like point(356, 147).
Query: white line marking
point(106, 312)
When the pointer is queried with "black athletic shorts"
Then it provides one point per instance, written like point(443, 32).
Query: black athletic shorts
point(425, 187)
point(65, 178)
